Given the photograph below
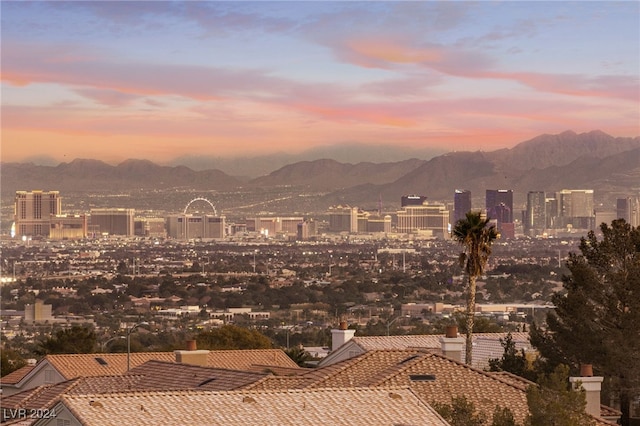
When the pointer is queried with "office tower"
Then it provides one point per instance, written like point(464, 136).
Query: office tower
point(112, 222)
point(33, 211)
point(412, 200)
point(461, 204)
point(499, 204)
point(535, 216)
point(624, 209)
point(551, 211)
point(427, 218)
point(576, 208)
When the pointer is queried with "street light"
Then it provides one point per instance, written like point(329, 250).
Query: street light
point(129, 331)
point(394, 320)
point(104, 344)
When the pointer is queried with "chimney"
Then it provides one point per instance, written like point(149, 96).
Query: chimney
point(192, 355)
point(591, 385)
point(452, 344)
point(341, 336)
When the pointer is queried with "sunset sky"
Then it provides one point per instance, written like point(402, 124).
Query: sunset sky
point(156, 80)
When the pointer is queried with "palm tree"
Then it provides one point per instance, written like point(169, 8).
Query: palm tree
point(476, 238)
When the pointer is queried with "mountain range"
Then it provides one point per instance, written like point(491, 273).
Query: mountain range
point(594, 160)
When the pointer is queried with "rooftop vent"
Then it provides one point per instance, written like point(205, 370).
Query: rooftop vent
point(101, 361)
point(412, 357)
point(422, 377)
point(206, 381)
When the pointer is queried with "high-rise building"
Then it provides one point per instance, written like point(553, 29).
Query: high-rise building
point(412, 200)
point(499, 204)
point(68, 227)
point(343, 219)
point(306, 230)
point(150, 227)
point(535, 216)
point(377, 223)
point(273, 225)
point(624, 208)
point(116, 221)
point(551, 211)
point(190, 226)
point(499, 197)
point(461, 204)
point(427, 217)
point(33, 211)
point(576, 208)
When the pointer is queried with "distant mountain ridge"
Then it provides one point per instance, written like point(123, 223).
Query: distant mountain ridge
point(592, 160)
point(95, 175)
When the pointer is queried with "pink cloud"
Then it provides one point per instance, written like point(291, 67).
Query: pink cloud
point(461, 62)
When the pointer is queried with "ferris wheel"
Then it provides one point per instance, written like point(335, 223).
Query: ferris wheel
point(215, 213)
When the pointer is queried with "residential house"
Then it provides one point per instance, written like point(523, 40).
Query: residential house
point(486, 346)
point(59, 368)
point(364, 406)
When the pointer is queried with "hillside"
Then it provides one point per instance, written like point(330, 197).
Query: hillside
point(94, 175)
point(594, 160)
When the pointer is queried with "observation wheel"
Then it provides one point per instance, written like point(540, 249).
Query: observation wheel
point(215, 213)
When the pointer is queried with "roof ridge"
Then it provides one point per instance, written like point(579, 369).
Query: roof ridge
point(394, 370)
point(477, 370)
point(233, 392)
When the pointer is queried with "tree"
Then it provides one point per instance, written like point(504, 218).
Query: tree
point(596, 318)
point(503, 416)
point(461, 412)
point(299, 355)
point(233, 337)
point(512, 360)
point(554, 403)
point(476, 237)
point(10, 361)
point(74, 340)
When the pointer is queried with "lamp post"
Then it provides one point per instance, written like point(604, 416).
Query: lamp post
point(104, 344)
point(394, 320)
point(129, 331)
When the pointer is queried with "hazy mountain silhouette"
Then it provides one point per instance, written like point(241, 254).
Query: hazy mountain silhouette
point(96, 175)
point(250, 167)
point(328, 174)
point(591, 160)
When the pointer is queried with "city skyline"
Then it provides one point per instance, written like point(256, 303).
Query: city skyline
point(156, 80)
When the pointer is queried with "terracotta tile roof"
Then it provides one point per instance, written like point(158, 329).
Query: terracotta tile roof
point(514, 380)
point(101, 364)
point(44, 396)
point(433, 377)
point(246, 359)
point(486, 345)
point(39, 397)
point(436, 378)
point(277, 370)
point(271, 383)
point(358, 370)
point(162, 375)
point(14, 377)
point(106, 384)
point(319, 406)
